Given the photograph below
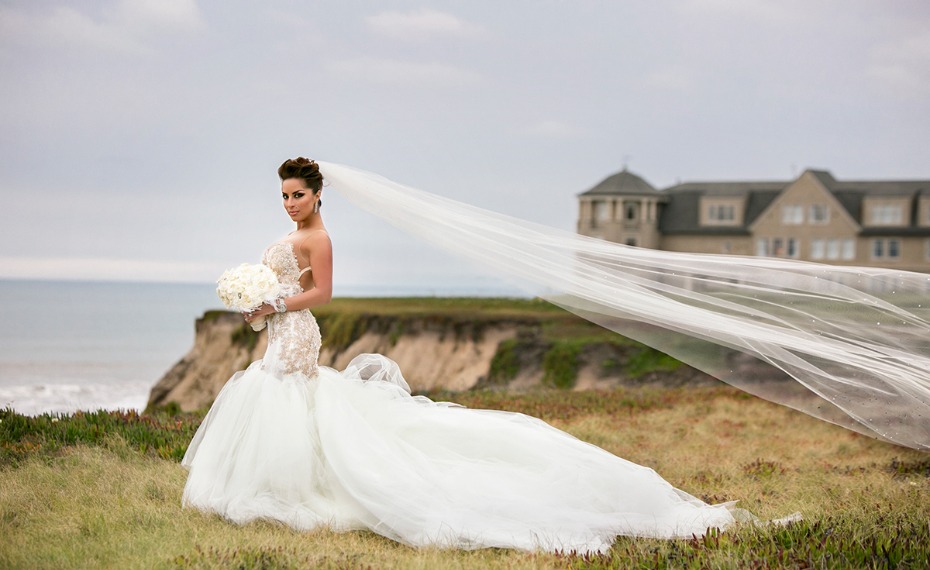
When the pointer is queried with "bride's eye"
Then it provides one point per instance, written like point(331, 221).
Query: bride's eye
point(298, 195)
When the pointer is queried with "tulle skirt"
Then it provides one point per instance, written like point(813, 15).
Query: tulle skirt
point(354, 450)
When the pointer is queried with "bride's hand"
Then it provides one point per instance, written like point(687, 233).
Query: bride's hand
point(265, 309)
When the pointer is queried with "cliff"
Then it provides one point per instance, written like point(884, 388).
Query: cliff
point(439, 344)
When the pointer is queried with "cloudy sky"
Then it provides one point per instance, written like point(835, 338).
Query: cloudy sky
point(139, 139)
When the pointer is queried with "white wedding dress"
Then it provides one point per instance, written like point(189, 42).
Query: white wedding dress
point(291, 441)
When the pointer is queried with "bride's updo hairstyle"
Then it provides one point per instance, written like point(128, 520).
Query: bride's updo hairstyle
point(304, 169)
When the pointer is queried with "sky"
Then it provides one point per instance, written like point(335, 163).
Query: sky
point(140, 139)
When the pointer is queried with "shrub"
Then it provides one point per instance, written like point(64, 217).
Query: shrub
point(560, 364)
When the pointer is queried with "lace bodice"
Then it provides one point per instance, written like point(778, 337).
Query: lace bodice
point(282, 259)
point(293, 337)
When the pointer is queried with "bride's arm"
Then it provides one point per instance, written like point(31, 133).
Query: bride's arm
point(320, 251)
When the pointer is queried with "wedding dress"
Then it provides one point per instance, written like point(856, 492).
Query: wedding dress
point(292, 441)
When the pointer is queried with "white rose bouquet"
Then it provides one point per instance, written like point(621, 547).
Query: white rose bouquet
point(247, 287)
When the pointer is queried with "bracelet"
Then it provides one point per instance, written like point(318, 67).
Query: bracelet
point(279, 305)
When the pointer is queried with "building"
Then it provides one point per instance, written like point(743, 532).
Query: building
point(815, 217)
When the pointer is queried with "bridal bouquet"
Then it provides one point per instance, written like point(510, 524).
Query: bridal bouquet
point(246, 287)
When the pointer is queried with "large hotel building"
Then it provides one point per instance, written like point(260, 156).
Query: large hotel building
point(815, 217)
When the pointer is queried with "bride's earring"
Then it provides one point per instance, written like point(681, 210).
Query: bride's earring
point(316, 207)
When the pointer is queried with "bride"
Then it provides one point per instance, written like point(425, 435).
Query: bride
point(293, 441)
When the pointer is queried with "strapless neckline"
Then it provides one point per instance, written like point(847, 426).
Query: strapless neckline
point(282, 259)
point(293, 251)
point(291, 248)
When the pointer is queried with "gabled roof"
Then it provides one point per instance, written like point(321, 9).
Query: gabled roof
point(623, 183)
point(824, 177)
point(851, 202)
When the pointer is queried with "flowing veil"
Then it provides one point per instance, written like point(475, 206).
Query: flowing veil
point(850, 345)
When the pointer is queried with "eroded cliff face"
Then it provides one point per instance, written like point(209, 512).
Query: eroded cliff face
point(432, 353)
point(439, 352)
point(430, 357)
point(222, 346)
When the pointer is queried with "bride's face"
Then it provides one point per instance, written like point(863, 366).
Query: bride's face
point(298, 199)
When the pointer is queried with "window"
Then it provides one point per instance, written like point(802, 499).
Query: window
point(601, 212)
point(717, 211)
point(778, 247)
point(721, 213)
point(817, 249)
point(762, 247)
point(849, 249)
point(894, 248)
point(887, 215)
point(792, 215)
point(819, 214)
point(886, 248)
point(631, 211)
point(833, 249)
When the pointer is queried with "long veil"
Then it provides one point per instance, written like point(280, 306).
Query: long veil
point(850, 345)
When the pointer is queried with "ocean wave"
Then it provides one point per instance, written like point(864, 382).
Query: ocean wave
point(65, 398)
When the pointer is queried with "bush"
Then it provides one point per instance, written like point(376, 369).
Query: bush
point(560, 364)
point(160, 434)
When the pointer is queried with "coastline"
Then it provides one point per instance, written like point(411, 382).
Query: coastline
point(80, 344)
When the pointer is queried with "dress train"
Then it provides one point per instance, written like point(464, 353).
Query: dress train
point(291, 441)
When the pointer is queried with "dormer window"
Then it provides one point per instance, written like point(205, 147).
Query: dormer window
point(721, 213)
point(887, 215)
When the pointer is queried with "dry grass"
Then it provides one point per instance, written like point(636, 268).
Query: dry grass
point(111, 506)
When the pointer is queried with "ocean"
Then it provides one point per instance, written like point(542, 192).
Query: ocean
point(68, 346)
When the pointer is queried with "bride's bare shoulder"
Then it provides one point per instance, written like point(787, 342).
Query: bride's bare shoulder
point(315, 241)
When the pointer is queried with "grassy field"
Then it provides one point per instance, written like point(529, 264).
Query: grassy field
point(555, 322)
point(103, 490)
point(469, 307)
